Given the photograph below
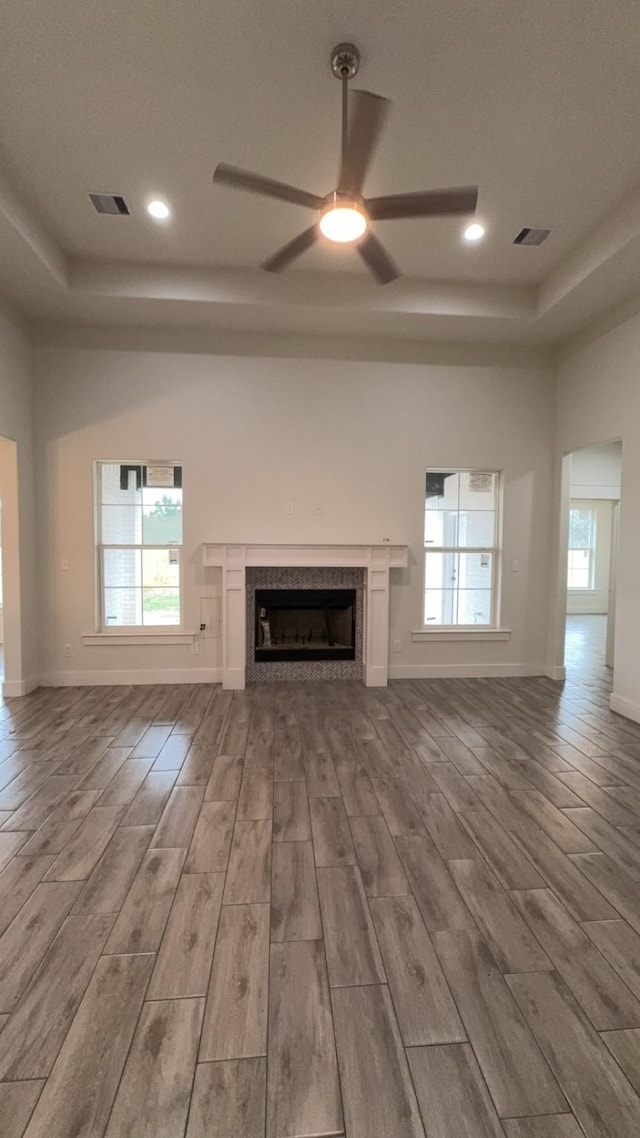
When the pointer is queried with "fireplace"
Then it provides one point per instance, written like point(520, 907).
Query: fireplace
point(247, 569)
point(305, 624)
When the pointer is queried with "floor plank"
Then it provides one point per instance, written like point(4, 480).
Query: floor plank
point(598, 988)
point(439, 902)
point(143, 916)
point(17, 1101)
point(353, 956)
point(601, 1097)
point(513, 946)
point(295, 909)
point(155, 1090)
point(249, 872)
point(179, 817)
point(516, 1073)
point(211, 842)
point(29, 936)
point(452, 1094)
point(303, 1093)
point(111, 879)
point(378, 1096)
point(291, 812)
point(332, 841)
point(382, 872)
point(37, 1028)
point(235, 1020)
point(183, 962)
point(79, 1093)
point(228, 1100)
point(424, 1005)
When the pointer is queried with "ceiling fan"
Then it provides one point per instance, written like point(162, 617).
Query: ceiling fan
point(345, 213)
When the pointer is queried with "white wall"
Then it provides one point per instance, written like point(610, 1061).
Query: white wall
point(596, 471)
point(254, 433)
point(599, 399)
point(18, 499)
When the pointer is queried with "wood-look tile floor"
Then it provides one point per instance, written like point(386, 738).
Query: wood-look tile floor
point(315, 909)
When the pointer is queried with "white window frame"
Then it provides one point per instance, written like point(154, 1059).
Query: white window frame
point(591, 587)
point(129, 630)
point(463, 631)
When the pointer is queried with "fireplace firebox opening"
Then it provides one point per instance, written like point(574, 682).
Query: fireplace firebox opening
point(305, 624)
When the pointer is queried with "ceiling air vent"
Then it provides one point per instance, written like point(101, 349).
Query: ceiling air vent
point(110, 203)
point(529, 236)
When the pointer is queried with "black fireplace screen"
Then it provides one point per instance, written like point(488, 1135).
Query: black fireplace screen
point(305, 624)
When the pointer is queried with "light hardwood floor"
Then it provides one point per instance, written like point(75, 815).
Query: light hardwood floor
point(317, 909)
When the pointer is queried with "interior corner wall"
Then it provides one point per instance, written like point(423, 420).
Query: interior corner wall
point(598, 399)
point(345, 443)
point(22, 662)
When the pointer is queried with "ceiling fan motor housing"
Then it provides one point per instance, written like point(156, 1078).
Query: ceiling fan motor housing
point(345, 61)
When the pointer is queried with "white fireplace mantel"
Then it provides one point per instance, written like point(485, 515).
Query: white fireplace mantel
point(376, 560)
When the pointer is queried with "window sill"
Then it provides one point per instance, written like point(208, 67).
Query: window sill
point(440, 633)
point(121, 639)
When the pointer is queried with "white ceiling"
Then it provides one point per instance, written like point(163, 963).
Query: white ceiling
point(536, 103)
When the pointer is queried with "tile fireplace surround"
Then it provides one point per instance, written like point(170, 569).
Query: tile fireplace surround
point(375, 560)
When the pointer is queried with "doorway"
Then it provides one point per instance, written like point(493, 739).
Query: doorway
point(594, 494)
point(10, 610)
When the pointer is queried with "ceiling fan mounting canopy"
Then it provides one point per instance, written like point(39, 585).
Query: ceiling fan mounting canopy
point(345, 213)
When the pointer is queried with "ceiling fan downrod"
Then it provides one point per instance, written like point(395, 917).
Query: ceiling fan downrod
point(345, 61)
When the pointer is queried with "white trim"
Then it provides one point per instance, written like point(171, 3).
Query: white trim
point(457, 633)
point(133, 676)
point(630, 708)
point(377, 560)
point(121, 639)
point(558, 672)
point(15, 688)
point(462, 671)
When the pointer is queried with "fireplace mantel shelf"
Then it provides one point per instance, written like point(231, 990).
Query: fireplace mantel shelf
point(358, 555)
point(377, 560)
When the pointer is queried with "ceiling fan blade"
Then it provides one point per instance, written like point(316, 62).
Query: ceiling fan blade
point(369, 114)
point(428, 203)
point(257, 184)
point(376, 257)
point(293, 249)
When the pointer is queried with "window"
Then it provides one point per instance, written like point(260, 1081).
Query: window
point(582, 548)
point(461, 526)
point(139, 518)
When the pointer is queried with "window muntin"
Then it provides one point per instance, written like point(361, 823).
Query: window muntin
point(139, 514)
point(582, 548)
point(461, 548)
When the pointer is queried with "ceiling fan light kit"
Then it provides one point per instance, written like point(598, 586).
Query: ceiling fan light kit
point(345, 213)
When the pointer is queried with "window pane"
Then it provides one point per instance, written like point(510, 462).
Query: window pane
point(476, 527)
point(440, 527)
point(475, 570)
point(478, 490)
point(581, 529)
point(121, 525)
point(579, 569)
point(441, 570)
point(122, 607)
point(474, 606)
point(160, 568)
point(161, 606)
point(122, 568)
point(440, 606)
point(119, 485)
point(162, 517)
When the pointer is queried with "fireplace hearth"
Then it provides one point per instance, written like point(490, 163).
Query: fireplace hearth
point(305, 624)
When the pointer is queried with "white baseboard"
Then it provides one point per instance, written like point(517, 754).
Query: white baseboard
point(13, 688)
point(461, 671)
point(555, 672)
point(627, 707)
point(133, 676)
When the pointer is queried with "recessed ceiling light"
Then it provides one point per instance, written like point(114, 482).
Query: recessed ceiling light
point(474, 232)
point(159, 210)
